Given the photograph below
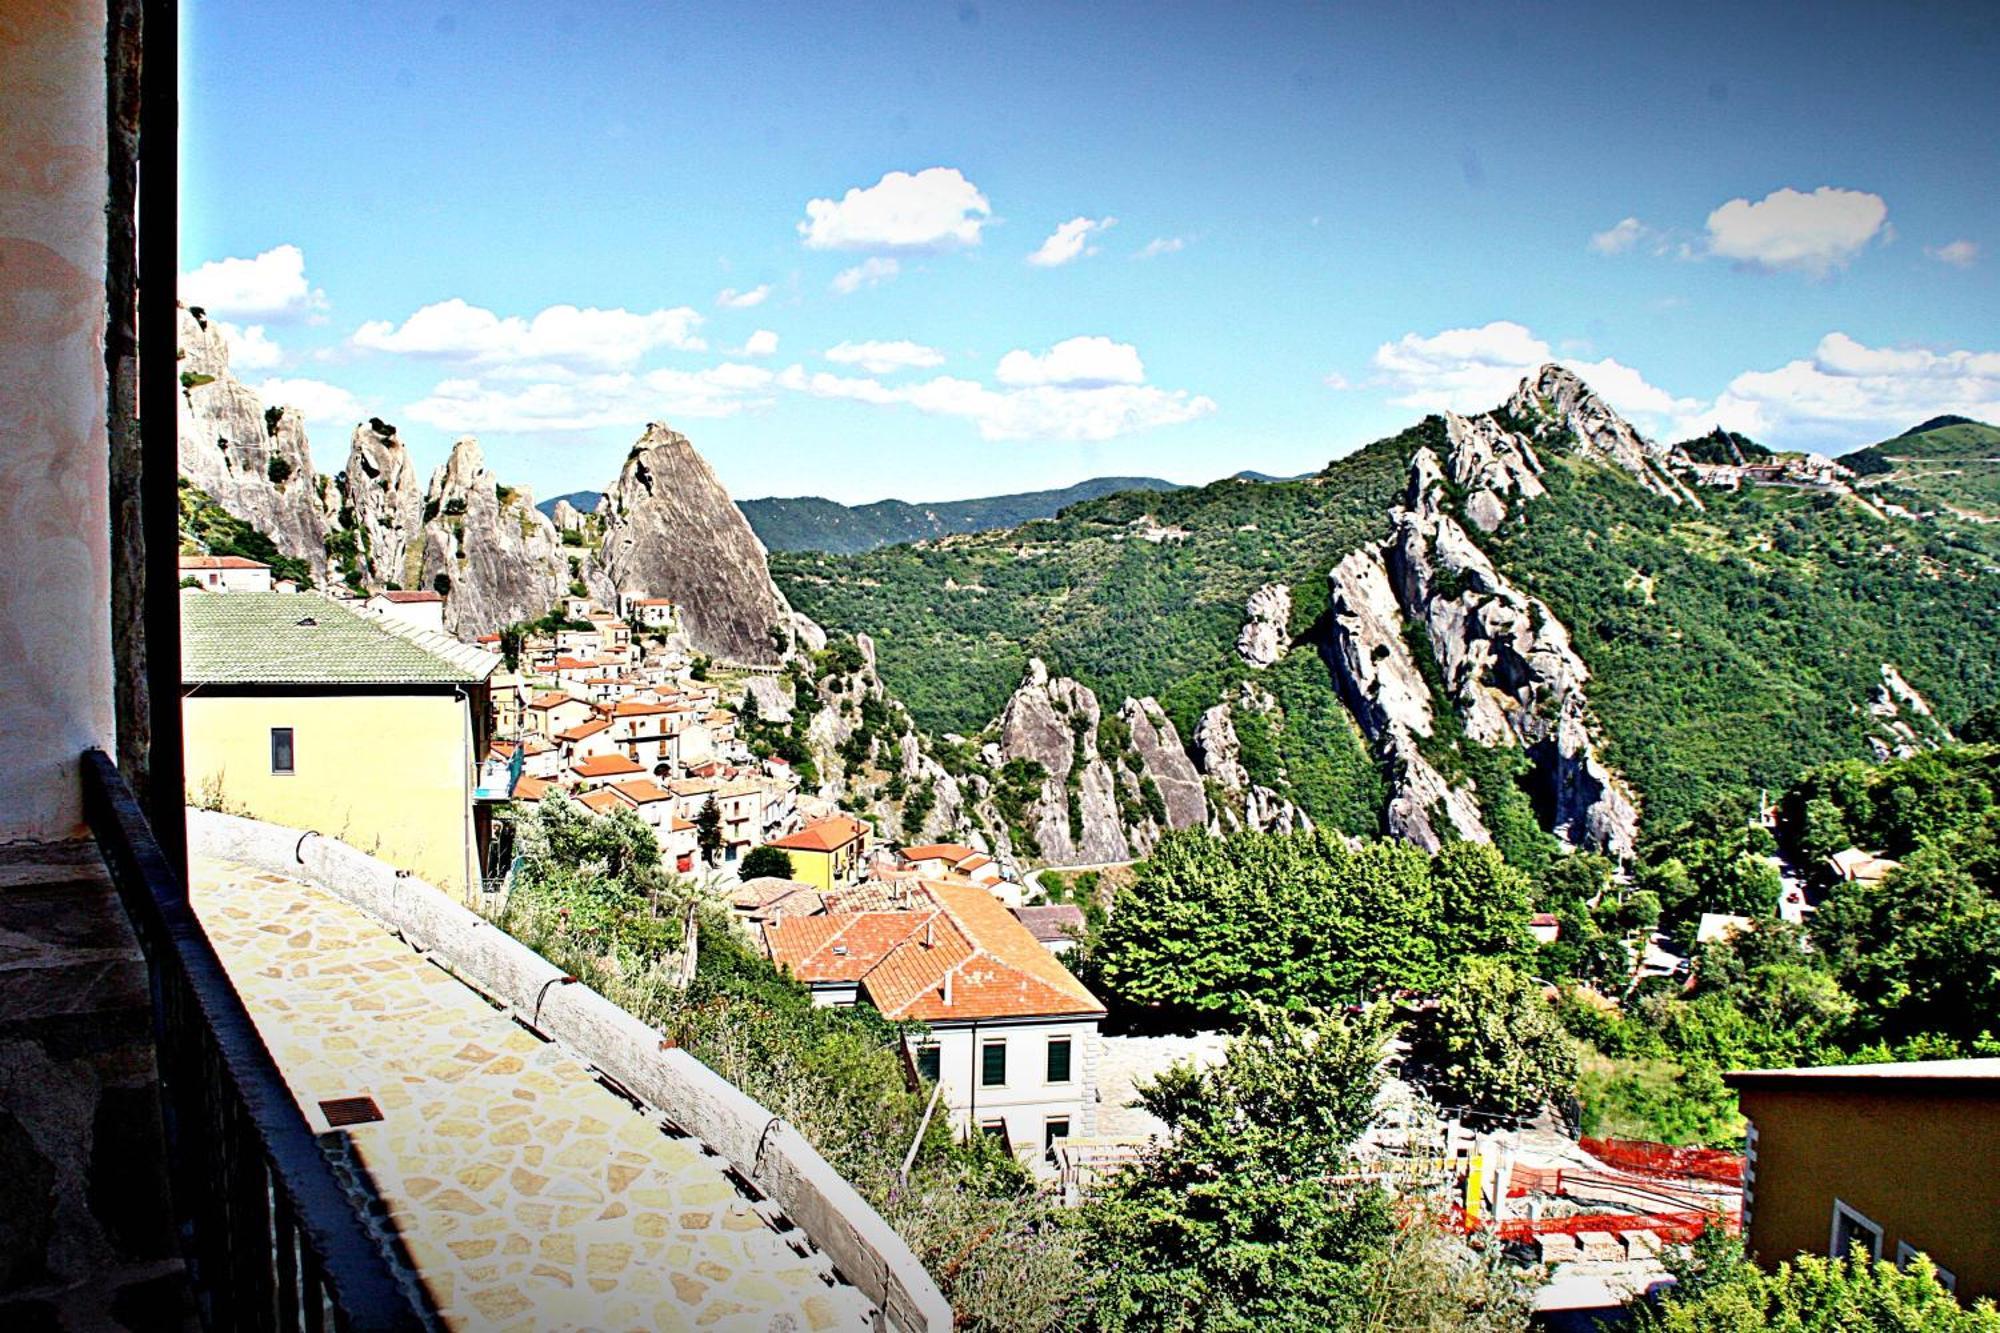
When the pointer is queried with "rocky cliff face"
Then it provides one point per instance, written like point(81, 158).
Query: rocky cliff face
point(1111, 785)
point(1422, 621)
point(671, 531)
point(1553, 404)
point(1266, 626)
point(496, 558)
point(255, 461)
point(1241, 803)
point(383, 505)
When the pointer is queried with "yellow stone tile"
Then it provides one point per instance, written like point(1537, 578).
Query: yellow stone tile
point(500, 1302)
point(560, 1247)
point(607, 1259)
point(471, 1249)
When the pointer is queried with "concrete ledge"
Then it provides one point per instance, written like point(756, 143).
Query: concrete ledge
point(764, 1150)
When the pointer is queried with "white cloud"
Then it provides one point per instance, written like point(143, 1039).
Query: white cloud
point(1620, 239)
point(1812, 233)
point(1044, 412)
point(868, 273)
point(325, 407)
point(1959, 253)
point(731, 299)
point(761, 343)
point(1070, 241)
point(935, 209)
point(249, 349)
point(561, 335)
point(1164, 245)
point(621, 400)
point(1471, 370)
point(879, 358)
point(1848, 393)
point(271, 286)
point(1076, 363)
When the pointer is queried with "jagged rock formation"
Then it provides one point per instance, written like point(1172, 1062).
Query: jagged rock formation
point(672, 531)
point(1553, 401)
point(1503, 661)
point(568, 518)
point(1108, 791)
point(1491, 463)
point(495, 557)
point(1266, 618)
point(255, 462)
point(1903, 720)
point(1240, 802)
point(383, 506)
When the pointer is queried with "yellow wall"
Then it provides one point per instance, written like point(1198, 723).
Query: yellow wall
point(1923, 1167)
point(387, 774)
point(814, 868)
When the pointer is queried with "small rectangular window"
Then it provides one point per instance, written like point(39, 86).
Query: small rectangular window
point(281, 750)
point(1058, 1060)
point(1853, 1233)
point(1055, 1127)
point(927, 1063)
point(993, 1064)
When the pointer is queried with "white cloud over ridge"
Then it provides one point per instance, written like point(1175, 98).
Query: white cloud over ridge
point(327, 408)
point(1473, 369)
point(731, 299)
point(249, 348)
point(869, 272)
point(591, 402)
point(1070, 241)
point(934, 209)
point(561, 335)
point(880, 358)
point(271, 286)
point(1812, 233)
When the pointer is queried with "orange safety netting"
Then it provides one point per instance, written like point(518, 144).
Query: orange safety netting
point(1659, 1159)
point(1674, 1228)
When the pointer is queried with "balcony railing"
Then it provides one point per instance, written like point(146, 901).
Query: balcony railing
point(270, 1237)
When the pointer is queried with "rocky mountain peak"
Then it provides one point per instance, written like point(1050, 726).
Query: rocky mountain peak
point(253, 460)
point(1554, 401)
point(484, 545)
point(672, 531)
point(384, 506)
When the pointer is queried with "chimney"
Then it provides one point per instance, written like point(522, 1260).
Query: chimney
point(930, 933)
point(947, 988)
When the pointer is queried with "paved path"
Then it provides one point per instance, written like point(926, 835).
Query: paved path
point(528, 1195)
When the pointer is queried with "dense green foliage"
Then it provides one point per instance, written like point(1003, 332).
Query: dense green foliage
point(809, 523)
point(1718, 1290)
point(1213, 926)
point(1947, 462)
point(1235, 1222)
point(207, 528)
point(1732, 649)
point(759, 862)
point(1495, 1044)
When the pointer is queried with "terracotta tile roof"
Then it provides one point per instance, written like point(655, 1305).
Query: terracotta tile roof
point(602, 802)
point(948, 852)
point(826, 836)
point(583, 730)
point(414, 595)
point(690, 786)
point(976, 861)
point(220, 562)
point(641, 708)
point(680, 825)
point(553, 699)
point(653, 601)
point(572, 664)
point(1051, 923)
point(605, 766)
point(962, 942)
point(642, 791)
point(530, 788)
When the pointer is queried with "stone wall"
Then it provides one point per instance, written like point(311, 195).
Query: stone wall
point(766, 1151)
point(55, 545)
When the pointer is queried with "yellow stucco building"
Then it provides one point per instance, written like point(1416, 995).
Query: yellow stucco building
point(300, 711)
point(1889, 1160)
point(827, 854)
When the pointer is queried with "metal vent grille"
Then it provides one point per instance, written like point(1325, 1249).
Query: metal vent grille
point(344, 1111)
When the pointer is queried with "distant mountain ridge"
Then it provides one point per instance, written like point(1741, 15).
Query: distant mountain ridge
point(584, 502)
point(812, 523)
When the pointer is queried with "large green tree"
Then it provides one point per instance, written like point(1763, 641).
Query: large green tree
point(1495, 1043)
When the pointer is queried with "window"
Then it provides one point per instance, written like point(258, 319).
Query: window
point(281, 749)
point(1905, 1252)
point(993, 1064)
point(1853, 1233)
point(927, 1062)
point(1055, 1127)
point(997, 1131)
point(1058, 1060)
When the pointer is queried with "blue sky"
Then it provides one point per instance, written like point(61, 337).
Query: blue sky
point(1291, 228)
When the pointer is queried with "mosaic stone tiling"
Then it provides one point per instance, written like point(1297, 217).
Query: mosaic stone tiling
point(528, 1195)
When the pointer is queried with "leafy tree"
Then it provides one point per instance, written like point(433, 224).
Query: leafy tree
point(708, 831)
point(1495, 1043)
point(1483, 902)
point(1720, 1291)
point(762, 861)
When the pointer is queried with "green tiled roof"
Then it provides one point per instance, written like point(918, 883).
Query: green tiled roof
point(279, 638)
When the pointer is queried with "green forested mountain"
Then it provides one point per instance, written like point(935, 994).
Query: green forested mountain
point(1730, 647)
point(1946, 463)
point(810, 523)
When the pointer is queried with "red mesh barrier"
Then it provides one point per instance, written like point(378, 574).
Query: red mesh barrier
point(1659, 1159)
